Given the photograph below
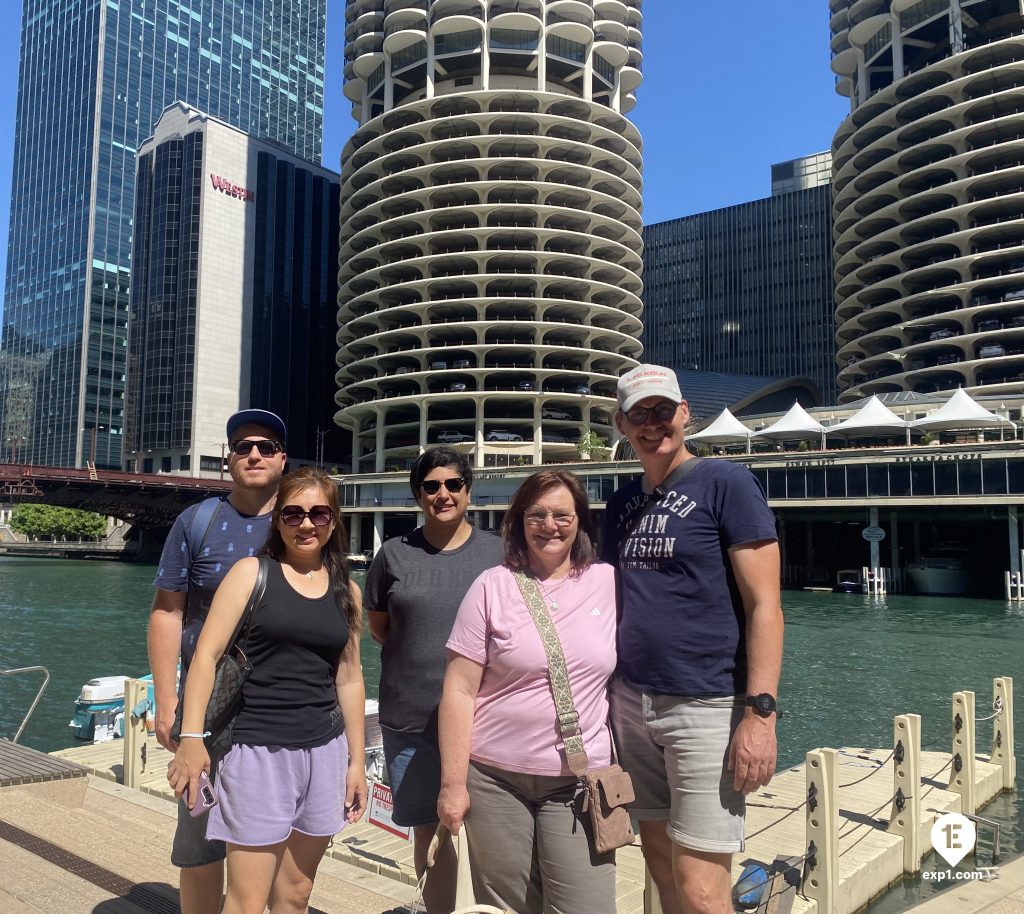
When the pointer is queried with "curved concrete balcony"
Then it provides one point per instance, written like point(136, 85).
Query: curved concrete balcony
point(491, 242)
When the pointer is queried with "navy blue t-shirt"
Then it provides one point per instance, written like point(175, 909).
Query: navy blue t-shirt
point(682, 625)
point(230, 537)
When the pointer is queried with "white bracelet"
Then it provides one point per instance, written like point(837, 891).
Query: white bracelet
point(194, 735)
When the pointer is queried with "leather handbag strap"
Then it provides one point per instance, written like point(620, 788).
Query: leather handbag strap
point(558, 675)
point(258, 589)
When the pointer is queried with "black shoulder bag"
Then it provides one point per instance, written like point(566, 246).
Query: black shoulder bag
point(232, 671)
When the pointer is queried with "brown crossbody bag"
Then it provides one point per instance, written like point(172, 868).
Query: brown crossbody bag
point(606, 791)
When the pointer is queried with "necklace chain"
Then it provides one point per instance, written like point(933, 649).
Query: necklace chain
point(547, 595)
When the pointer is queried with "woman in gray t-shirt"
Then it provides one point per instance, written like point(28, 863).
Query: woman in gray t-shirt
point(412, 595)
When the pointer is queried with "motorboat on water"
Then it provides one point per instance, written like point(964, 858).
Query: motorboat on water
point(359, 561)
point(848, 580)
point(99, 718)
point(99, 709)
point(941, 571)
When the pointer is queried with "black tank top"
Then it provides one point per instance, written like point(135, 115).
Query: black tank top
point(294, 644)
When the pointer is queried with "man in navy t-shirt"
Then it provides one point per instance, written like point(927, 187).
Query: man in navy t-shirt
point(700, 645)
point(184, 591)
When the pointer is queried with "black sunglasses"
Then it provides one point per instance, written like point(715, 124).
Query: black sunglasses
point(663, 411)
point(319, 515)
point(433, 486)
point(243, 447)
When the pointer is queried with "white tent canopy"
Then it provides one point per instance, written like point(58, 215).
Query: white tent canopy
point(726, 429)
point(873, 419)
point(959, 411)
point(795, 424)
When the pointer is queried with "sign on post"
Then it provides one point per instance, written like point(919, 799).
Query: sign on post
point(873, 534)
point(382, 806)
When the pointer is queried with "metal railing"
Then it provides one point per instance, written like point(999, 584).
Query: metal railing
point(39, 694)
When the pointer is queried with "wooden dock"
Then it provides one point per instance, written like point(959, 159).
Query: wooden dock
point(869, 857)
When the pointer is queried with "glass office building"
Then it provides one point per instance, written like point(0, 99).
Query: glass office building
point(234, 295)
point(94, 78)
point(747, 289)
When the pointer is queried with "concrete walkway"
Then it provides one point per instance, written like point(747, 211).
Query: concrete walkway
point(1004, 895)
point(94, 847)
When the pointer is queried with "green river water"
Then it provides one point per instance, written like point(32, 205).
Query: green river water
point(851, 663)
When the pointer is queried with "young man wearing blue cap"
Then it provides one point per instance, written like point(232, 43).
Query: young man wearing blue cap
point(699, 645)
point(205, 541)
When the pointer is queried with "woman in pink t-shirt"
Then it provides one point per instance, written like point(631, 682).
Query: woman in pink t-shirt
point(503, 766)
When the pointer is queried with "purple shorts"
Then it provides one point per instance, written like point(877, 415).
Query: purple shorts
point(264, 792)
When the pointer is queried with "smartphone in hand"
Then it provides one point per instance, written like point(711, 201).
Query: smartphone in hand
point(207, 796)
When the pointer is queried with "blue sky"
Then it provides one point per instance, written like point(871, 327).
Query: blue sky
point(729, 88)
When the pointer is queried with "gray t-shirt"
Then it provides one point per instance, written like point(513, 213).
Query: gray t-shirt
point(421, 587)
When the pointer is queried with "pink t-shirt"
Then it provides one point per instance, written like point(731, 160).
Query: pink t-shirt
point(514, 724)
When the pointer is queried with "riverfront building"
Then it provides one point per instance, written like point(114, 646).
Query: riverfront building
point(234, 295)
point(951, 495)
point(491, 243)
point(94, 78)
point(748, 289)
point(929, 214)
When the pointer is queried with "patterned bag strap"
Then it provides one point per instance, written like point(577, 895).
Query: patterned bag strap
point(558, 675)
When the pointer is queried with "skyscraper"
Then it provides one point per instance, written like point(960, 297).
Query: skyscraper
point(929, 216)
point(94, 78)
point(234, 295)
point(491, 249)
point(748, 289)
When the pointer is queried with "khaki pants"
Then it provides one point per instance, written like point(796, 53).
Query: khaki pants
point(529, 845)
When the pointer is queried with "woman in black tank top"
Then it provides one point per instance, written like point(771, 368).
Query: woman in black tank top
point(294, 775)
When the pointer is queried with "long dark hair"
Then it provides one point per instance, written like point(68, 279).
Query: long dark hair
point(335, 550)
point(583, 552)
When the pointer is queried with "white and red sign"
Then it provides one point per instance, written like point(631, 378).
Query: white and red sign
point(382, 805)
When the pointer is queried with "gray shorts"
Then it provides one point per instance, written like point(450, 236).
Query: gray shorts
point(190, 847)
point(676, 750)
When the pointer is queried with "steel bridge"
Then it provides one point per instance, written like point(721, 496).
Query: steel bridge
point(145, 500)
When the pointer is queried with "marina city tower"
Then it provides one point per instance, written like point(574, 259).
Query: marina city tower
point(489, 285)
point(928, 191)
point(94, 78)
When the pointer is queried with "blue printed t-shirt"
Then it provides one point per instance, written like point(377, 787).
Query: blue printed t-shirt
point(230, 537)
point(682, 625)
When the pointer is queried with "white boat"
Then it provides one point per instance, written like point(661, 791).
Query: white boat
point(942, 571)
point(99, 709)
point(99, 717)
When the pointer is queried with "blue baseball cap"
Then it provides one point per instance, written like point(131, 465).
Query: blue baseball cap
point(257, 417)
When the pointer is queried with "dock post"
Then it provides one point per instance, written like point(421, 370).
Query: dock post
point(905, 819)
point(822, 867)
point(652, 900)
point(1003, 753)
point(134, 733)
point(961, 776)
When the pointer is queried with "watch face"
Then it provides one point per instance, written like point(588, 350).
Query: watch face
point(765, 703)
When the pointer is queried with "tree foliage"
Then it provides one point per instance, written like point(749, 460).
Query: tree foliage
point(47, 520)
point(591, 444)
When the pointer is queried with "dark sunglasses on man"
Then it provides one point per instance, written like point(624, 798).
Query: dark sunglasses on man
point(243, 447)
point(294, 515)
point(433, 486)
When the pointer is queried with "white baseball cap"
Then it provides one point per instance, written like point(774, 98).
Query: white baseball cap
point(647, 381)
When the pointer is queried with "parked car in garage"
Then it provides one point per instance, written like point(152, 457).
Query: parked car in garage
point(551, 412)
point(501, 434)
point(450, 437)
